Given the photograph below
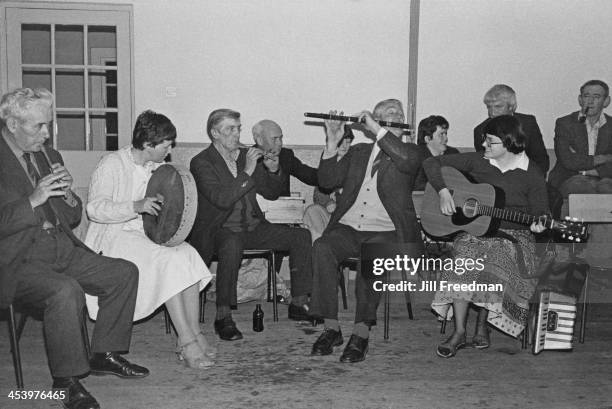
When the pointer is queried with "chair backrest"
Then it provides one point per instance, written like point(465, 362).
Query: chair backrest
point(591, 207)
point(596, 209)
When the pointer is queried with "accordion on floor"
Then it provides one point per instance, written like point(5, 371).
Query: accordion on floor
point(554, 326)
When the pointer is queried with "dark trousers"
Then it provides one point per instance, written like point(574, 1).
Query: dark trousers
point(229, 246)
point(54, 276)
point(328, 252)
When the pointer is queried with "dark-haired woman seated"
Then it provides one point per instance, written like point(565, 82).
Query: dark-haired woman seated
point(172, 276)
point(432, 140)
point(506, 166)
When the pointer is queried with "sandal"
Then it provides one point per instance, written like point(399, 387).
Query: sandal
point(481, 341)
point(448, 349)
point(193, 357)
point(209, 349)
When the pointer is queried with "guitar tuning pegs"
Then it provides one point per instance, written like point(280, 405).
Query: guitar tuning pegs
point(567, 218)
point(570, 238)
point(578, 240)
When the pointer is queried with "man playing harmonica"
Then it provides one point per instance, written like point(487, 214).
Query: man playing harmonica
point(229, 219)
point(268, 136)
point(46, 266)
point(375, 206)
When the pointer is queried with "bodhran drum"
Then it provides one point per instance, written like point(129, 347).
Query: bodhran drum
point(176, 185)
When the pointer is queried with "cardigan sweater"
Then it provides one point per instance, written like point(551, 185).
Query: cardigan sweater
point(110, 203)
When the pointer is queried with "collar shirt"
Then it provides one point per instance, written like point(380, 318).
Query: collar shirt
point(593, 132)
point(368, 212)
point(521, 161)
point(19, 154)
point(230, 160)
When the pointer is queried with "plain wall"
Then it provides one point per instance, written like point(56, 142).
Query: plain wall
point(544, 49)
point(272, 59)
point(279, 58)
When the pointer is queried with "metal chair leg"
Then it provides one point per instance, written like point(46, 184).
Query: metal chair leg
point(272, 275)
point(342, 284)
point(85, 333)
point(15, 347)
point(525, 337)
point(386, 309)
point(202, 305)
point(269, 288)
point(167, 320)
point(584, 305)
point(407, 296)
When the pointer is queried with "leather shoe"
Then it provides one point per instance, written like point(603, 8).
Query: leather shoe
point(226, 328)
point(326, 342)
point(75, 395)
point(111, 363)
point(301, 313)
point(355, 350)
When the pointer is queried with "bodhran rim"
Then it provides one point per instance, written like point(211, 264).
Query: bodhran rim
point(190, 206)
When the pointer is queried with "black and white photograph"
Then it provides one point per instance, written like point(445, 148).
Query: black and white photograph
point(385, 204)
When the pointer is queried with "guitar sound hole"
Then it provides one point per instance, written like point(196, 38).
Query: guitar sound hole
point(470, 207)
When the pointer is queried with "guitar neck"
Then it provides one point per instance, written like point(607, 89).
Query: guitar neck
point(514, 216)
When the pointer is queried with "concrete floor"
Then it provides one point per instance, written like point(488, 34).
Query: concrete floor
point(273, 369)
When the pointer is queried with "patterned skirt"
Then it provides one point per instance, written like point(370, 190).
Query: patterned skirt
point(508, 308)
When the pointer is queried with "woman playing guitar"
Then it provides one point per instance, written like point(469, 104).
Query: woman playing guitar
point(506, 167)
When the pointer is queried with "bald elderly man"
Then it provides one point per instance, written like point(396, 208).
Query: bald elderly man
point(269, 138)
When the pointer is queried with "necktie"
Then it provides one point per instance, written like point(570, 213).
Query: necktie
point(35, 176)
point(376, 164)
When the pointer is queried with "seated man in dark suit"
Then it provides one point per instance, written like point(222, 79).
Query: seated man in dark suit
point(268, 137)
point(46, 266)
point(501, 100)
point(229, 219)
point(375, 207)
point(432, 139)
point(583, 144)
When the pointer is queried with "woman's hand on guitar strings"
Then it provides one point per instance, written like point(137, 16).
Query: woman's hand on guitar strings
point(447, 204)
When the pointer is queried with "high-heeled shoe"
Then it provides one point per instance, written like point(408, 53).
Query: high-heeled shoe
point(193, 357)
point(209, 349)
point(448, 349)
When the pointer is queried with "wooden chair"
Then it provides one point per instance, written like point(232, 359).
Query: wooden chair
point(15, 331)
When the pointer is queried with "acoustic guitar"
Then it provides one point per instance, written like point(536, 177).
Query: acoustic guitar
point(480, 208)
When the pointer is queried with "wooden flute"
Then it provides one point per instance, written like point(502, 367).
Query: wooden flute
point(355, 119)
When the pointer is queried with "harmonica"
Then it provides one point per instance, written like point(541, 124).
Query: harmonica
point(266, 155)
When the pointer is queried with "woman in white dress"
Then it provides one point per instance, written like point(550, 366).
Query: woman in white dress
point(171, 275)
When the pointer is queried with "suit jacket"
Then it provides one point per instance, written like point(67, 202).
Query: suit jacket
point(19, 223)
point(292, 166)
point(535, 149)
point(572, 149)
point(421, 179)
point(219, 190)
point(399, 164)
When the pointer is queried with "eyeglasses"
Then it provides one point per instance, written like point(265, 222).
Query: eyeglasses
point(489, 143)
